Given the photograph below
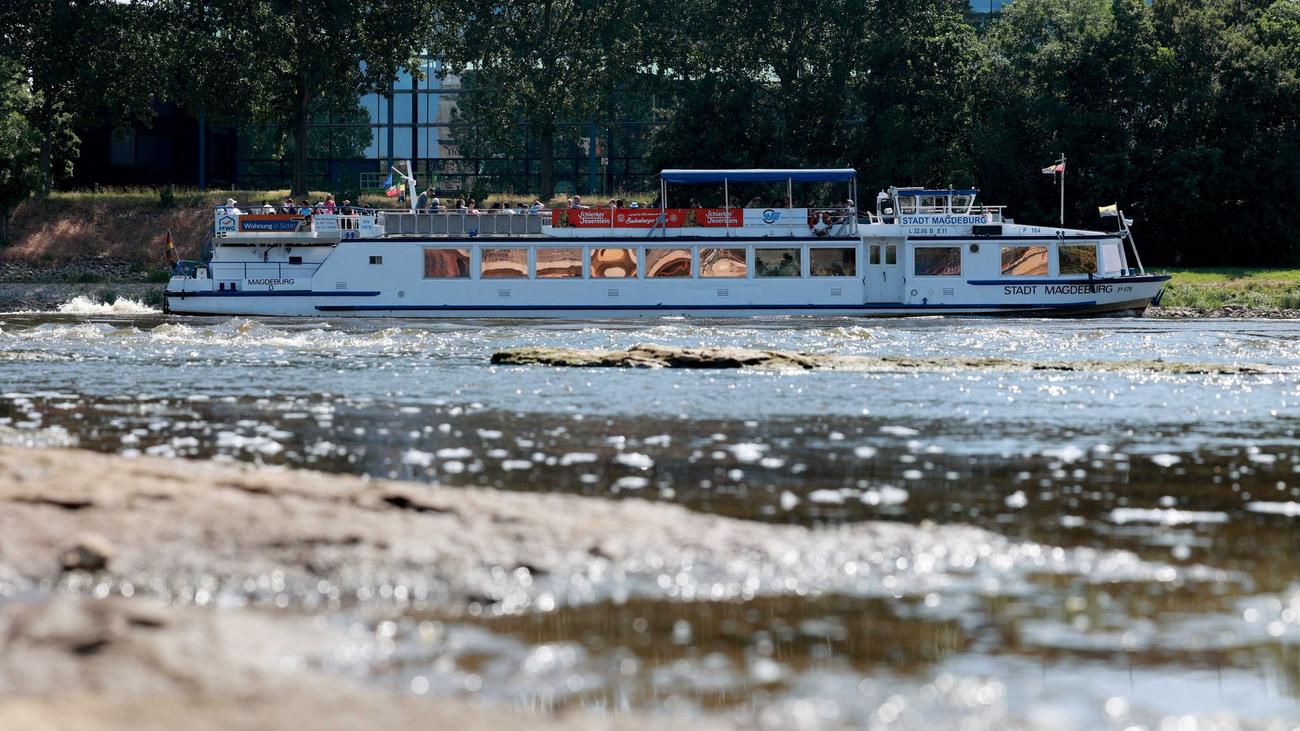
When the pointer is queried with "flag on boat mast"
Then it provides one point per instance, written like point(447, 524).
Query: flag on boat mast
point(390, 190)
point(170, 243)
point(1059, 168)
point(1110, 210)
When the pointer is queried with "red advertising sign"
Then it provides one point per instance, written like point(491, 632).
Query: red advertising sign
point(615, 218)
point(714, 217)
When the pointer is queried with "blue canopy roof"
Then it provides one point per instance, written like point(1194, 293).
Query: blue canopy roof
point(937, 191)
point(773, 175)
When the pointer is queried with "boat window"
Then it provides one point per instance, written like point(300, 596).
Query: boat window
point(962, 203)
point(661, 263)
point(723, 263)
point(874, 255)
point(938, 261)
point(891, 254)
point(373, 260)
point(933, 203)
point(613, 263)
point(1078, 259)
point(837, 262)
point(776, 263)
point(504, 264)
point(559, 263)
point(446, 263)
point(1111, 258)
point(298, 259)
point(907, 204)
point(1024, 261)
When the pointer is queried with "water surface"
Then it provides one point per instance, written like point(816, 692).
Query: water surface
point(1194, 475)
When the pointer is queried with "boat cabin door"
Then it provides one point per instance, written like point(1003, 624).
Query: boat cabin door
point(884, 271)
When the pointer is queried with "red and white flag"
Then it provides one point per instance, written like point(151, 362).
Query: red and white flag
point(1053, 169)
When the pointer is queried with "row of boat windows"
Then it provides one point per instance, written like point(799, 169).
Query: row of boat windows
point(650, 263)
point(1017, 261)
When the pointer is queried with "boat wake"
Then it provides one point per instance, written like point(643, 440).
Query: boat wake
point(82, 305)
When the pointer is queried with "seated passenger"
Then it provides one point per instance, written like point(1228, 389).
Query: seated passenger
point(472, 208)
point(231, 208)
point(788, 266)
point(435, 204)
point(267, 208)
point(536, 208)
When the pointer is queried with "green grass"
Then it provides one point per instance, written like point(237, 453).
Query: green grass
point(1210, 289)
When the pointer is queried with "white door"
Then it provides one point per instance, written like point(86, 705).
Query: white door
point(884, 272)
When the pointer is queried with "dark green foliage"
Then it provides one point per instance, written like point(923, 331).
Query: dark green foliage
point(1186, 112)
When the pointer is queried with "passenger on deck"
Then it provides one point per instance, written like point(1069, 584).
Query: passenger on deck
point(267, 208)
point(536, 208)
point(330, 205)
point(823, 225)
point(435, 204)
point(288, 206)
point(460, 206)
point(634, 204)
point(576, 202)
point(472, 208)
point(422, 202)
point(231, 208)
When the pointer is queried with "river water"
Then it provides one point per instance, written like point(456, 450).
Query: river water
point(1192, 477)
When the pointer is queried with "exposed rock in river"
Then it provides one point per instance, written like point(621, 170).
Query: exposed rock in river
point(200, 595)
point(668, 356)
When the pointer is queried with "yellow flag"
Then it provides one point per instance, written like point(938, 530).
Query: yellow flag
point(1110, 210)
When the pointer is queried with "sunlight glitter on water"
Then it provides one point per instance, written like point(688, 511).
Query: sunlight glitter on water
point(1073, 549)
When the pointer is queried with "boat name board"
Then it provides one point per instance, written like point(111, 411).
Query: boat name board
point(1072, 288)
point(948, 219)
point(271, 282)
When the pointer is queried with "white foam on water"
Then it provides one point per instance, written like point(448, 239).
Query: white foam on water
point(1289, 509)
point(82, 305)
point(1167, 516)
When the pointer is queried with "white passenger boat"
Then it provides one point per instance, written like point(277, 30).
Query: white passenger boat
point(920, 252)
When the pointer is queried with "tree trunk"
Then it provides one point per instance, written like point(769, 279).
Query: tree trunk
point(4, 227)
point(299, 187)
point(45, 162)
point(546, 151)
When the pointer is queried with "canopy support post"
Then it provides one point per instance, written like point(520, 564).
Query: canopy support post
point(789, 193)
point(726, 205)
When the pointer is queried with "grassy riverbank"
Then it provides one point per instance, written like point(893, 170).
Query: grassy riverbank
point(1214, 289)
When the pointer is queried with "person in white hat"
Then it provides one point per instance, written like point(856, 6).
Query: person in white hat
point(231, 208)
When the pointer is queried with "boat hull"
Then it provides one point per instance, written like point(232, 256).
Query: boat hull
point(327, 305)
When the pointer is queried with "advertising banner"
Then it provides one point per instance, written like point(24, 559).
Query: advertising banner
point(714, 217)
point(776, 217)
point(270, 222)
point(646, 217)
point(614, 218)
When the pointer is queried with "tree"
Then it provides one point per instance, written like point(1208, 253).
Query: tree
point(536, 63)
point(20, 145)
point(269, 61)
point(87, 61)
point(762, 83)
